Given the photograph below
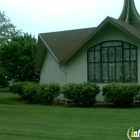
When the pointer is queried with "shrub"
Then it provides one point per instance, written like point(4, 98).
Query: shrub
point(83, 94)
point(30, 92)
point(47, 92)
point(120, 95)
point(17, 87)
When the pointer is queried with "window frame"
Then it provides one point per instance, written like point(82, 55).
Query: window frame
point(122, 62)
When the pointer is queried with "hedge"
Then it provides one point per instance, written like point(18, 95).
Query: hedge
point(30, 92)
point(34, 92)
point(17, 87)
point(121, 94)
point(83, 94)
point(47, 92)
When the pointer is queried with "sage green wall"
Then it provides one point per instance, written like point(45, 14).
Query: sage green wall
point(77, 65)
point(51, 71)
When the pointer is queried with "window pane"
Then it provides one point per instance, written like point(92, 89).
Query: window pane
point(98, 72)
point(105, 54)
point(111, 72)
point(133, 72)
point(112, 54)
point(97, 56)
point(97, 47)
point(133, 54)
point(126, 72)
point(91, 56)
point(92, 49)
point(114, 43)
point(118, 53)
point(126, 45)
point(119, 77)
point(133, 47)
point(91, 72)
point(105, 72)
point(126, 54)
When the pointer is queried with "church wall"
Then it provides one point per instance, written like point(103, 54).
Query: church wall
point(77, 65)
point(75, 70)
point(51, 72)
point(113, 34)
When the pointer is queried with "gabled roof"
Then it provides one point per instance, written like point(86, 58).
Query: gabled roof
point(60, 44)
point(63, 45)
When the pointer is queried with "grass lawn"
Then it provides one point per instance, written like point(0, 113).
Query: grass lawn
point(20, 121)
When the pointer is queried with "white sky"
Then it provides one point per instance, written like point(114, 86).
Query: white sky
point(39, 16)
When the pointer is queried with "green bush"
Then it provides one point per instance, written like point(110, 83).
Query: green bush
point(47, 92)
point(120, 94)
point(83, 94)
point(30, 92)
point(17, 87)
point(33, 92)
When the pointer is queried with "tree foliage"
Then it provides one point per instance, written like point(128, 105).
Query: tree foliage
point(18, 58)
point(7, 29)
point(3, 77)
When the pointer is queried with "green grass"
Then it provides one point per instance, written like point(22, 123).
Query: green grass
point(20, 121)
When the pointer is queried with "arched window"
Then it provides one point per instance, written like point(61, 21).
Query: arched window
point(113, 61)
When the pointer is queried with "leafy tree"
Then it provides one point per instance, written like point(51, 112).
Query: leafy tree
point(7, 29)
point(3, 77)
point(18, 58)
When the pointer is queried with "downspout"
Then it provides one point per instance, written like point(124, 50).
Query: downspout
point(39, 76)
point(65, 99)
point(64, 72)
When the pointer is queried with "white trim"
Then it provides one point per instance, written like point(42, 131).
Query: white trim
point(49, 48)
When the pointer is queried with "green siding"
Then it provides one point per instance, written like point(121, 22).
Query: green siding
point(76, 67)
point(51, 72)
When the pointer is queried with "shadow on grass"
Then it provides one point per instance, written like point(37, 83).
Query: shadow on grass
point(7, 97)
point(10, 98)
point(97, 105)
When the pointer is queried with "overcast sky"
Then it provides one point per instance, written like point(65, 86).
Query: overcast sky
point(39, 16)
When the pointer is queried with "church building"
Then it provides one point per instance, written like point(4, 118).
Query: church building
point(104, 54)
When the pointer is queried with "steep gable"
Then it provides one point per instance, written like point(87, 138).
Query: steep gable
point(63, 45)
point(60, 44)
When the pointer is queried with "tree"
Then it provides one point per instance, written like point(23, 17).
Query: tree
point(3, 77)
point(18, 58)
point(7, 29)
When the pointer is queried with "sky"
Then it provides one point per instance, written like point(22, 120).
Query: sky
point(42, 16)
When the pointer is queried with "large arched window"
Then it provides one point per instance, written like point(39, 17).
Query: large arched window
point(113, 61)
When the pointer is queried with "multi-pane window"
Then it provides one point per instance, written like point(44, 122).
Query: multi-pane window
point(113, 61)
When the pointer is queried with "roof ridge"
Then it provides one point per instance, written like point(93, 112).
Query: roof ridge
point(67, 30)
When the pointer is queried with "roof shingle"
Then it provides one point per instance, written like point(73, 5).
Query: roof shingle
point(63, 45)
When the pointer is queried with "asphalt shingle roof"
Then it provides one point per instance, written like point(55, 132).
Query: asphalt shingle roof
point(60, 44)
point(63, 45)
